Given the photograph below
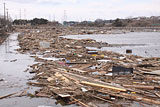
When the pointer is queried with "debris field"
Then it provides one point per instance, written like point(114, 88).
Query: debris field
point(68, 71)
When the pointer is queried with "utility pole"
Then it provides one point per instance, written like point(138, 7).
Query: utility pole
point(4, 14)
point(7, 18)
point(65, 16)
point(7, 15)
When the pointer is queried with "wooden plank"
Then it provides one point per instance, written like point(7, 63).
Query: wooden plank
point(38, 84)
point(157, 78)
point(138, 98)
point(85, 66)
point(5, 96)
point(134, 97)
point(102, 99)
point(79, 102)
point(79, 71)
point(140, 87)
point(157, 94)
point(103, 86)
point(77, 62)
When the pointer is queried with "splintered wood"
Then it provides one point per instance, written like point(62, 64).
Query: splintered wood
point(103, 86)
point(83, 75)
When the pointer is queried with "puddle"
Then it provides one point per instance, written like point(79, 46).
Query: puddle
point(13, 78)
point(12, 65)
point(27, 102)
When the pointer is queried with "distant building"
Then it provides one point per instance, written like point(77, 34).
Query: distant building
point(141, 18)
point(70, 23)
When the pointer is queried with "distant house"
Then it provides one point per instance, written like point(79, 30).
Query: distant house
point(141, 18)
point(70, 23)
point(155, 17)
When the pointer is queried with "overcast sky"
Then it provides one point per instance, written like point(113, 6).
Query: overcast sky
point(79, 10)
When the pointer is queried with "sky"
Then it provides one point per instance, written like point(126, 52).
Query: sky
point(80, 10)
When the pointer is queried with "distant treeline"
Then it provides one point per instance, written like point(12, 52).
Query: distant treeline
point(35, 21)
point(129, 22)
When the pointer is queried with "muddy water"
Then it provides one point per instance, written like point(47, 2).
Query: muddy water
point(146, 44)
point(13, 78)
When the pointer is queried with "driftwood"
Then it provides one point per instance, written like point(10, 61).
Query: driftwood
point(79, 71)
point(38, 84)
point(97, 97)
point(138, 98)
point(140, 87)
point(77, 62)
point(5, 96)
point(42, 95)
point(152, 78)
point(79, 102)
point(134, 97)
point(157, 94)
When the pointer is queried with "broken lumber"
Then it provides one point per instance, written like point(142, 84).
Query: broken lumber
point(76, 62)
point(152, 78)
point(37, 84)
point(97, 97)
point(5, 96)
point(103, 86)
point(79, 71)
point(131, 97)
point(157, 94)
point(140, 87)
point(138, 98)
point(79, 102)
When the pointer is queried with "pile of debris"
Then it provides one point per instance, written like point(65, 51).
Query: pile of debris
point(3, 35)
point(67, 70)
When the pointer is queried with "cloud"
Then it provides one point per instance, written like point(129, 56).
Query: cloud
point(56, 1)
point(82, 9)
point(19, 1)
point(42, 1)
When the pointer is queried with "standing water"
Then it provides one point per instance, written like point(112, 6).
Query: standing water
point(146, 44)
point(13, 79)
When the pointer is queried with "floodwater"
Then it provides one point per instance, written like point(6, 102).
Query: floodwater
point(13, 78)
point(146, 44)
point(13, 64)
